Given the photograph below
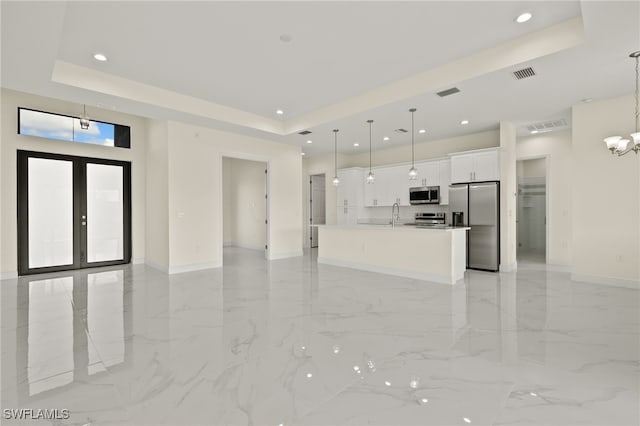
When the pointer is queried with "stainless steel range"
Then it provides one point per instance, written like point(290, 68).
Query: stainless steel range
point(431, 219)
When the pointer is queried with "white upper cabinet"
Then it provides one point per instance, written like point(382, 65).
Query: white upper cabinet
point(461, 168)
point(487, 166)
point(445, 180)
point(428, 173)
point(350, 190)
point(384, 190)
point(475, 166)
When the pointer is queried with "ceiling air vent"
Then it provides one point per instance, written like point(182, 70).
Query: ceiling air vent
point(401, 130)
point(448, 92)
point(546, 126)
point(304, 132)
point(524, 73)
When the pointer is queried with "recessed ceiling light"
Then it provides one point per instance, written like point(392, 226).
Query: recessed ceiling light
point(523, 17)
point(386, 138)
point(309, 141)
point(422, 131)
point(279, 112)
point(100, 57)
point(586, 100)
point(463, 122)
point(356, 144)
point(533, 132)
point(302, 153)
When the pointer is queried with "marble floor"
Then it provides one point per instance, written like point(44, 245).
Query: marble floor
point(289, 342)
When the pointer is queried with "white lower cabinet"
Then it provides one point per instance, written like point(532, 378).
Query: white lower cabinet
point(347, 216)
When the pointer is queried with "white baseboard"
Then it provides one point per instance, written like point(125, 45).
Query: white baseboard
point(193, 267)
point(247, 246)
point(558, 267)
point(138, 261)
point(614, 282)
point(389, 271)
point(276, 256)
point(8, 275)
point(157, 266)
point(509, 267)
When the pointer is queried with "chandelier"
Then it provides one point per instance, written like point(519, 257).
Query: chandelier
point(618, 145)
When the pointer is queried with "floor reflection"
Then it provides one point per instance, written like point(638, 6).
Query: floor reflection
point(68, 330)
point(291, 342)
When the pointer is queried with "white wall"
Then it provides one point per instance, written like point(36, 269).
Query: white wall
point(11, 142)
point(508, 191)
point(244, 214)
point(157, 196)
point(227, 200)
point(423, 150)
point(557, 146)
point(534, 168)
point(606, 196)
point(315, 166)
point(196, 200)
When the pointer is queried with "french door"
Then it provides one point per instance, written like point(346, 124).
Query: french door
point(73, 212)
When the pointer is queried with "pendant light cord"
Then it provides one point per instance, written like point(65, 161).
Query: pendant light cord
point(637, 93)
point(335, 152)
point(412, 140)
point(370, 121)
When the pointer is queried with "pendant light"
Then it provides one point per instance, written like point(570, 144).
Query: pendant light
point(370, 177)
point(336, 179)
point(84, 120)
point(616, 144)
point(413, 172)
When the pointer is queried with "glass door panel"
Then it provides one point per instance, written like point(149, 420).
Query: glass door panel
point(73, 212)
point(105, 209)
point(50, 210)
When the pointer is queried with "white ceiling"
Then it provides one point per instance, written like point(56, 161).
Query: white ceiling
point(222, 64)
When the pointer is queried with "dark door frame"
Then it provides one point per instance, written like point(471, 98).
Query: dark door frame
point(79, 206)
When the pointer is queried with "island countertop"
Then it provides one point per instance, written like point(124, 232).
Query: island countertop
point(398, 227)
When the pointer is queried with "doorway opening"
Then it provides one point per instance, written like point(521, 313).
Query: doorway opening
point(245, 212)
point(73, 212)
point(317, 210)
point(531, 216)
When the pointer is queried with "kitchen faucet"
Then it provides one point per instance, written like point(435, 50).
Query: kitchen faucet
point(395, 217)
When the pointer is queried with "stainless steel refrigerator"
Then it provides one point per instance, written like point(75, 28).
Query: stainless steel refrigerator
point(479, 204)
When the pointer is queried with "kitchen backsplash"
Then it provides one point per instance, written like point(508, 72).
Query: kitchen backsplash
point(407, 213)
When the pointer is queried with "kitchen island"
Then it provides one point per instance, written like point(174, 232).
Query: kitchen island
point(431, 254)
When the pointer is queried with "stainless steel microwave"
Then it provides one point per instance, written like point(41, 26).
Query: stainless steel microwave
point(424, 195)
